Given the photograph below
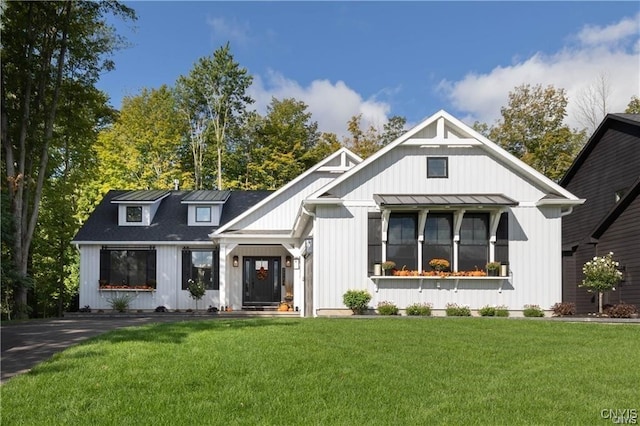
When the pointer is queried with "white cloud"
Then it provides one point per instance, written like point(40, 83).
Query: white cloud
point(594, 35)
point(611, 51)
point(232, 31)
point(330, 104)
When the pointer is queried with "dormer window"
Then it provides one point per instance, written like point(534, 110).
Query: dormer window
point(204, 207)
point(138, 208)
point(203, 214)
point(134, 213)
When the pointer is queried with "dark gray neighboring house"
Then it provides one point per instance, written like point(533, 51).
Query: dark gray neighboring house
point(607, 174)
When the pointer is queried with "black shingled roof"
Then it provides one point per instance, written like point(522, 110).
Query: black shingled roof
point(169, 223)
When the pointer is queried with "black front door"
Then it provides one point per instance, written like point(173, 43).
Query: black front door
point(261, 278)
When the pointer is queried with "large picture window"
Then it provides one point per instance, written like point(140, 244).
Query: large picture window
point(438, 238)
point(474, 242)
point(402, 242)
point(200, 265)
point(128, 267)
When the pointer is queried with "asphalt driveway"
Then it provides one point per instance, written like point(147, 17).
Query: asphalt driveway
point(25, 344)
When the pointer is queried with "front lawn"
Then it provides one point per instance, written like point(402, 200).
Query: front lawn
point(336, 371)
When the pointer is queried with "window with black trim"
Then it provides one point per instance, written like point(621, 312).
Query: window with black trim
point(502, 239)
point(203, 214)
point(438, 238)
point(128, 267)
point(374, 241)
point(200, 265)
point(473, 251)
point(402, 242)
point(437, 167)
point(134, 213)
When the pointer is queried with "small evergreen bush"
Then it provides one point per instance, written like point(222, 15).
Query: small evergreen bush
point(455, 310)
point(387, 308)
point(487, 311)
point(532, 311)
point(356, 300)
point(502, 311)
point(419, 309)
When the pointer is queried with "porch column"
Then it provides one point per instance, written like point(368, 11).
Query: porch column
point(493, 229)
point(422, 220)
point(457, 223)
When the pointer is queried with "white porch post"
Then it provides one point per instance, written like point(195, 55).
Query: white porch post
point(457, 223)
point(385, 227)
point(422, 220)
point(493, 229)
point(296, 275)
point(222, 261)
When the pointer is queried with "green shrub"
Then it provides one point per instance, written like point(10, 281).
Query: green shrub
point(387, 308)
point(120, 302)
point(356, 300)
point(622, 310)
point(561, 309)
point(502, 311)
point(487, 311)
point(532, 311)
point(419, 309)
point(454, 310)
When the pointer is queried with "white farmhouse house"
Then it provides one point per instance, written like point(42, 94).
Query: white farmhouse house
point(441, 190)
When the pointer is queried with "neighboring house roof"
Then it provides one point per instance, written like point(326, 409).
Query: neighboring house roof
point(617, 210)
point(631, 119)
point(169, 224)
point(453, 200)
point(471, 138)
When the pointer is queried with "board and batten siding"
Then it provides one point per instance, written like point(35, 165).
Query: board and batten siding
point(340, 244)
point(168, 292)
point(404, 171)
point(280, 212)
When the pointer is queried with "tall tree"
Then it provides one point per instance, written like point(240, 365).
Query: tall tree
point(45, 45)
point(213, 97)
point(532, 129)
point(593, 103)
point(141, 150)
point(393, 129)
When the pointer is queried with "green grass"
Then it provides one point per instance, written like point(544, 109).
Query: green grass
point(383, 371)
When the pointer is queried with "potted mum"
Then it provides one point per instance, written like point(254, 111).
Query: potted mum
point(388, 265)
point(439, 265)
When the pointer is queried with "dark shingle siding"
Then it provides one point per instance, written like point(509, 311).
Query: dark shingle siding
point(169, 223)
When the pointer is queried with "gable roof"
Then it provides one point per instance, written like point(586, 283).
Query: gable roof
point(471, 138)
point(608, 121)
point(617, 210)
point(168, 225)
point(322, 165)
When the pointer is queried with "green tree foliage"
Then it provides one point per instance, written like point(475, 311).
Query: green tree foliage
point(532, 129)
point(601, 274)
point(52, 52)
point(270, 151)
point(212, 99)
point(141, 150)
point(634, 106)
point(367, 142)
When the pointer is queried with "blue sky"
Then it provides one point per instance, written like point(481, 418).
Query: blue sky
point(381, 59)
